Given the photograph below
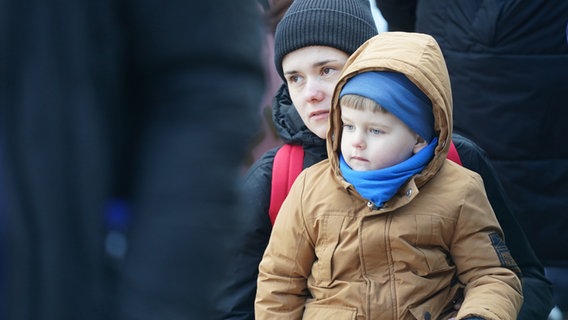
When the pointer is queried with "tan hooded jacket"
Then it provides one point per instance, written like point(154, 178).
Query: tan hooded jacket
point(332, 256)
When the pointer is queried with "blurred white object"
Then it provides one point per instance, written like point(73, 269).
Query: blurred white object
point(379, 20)
point(555, 314)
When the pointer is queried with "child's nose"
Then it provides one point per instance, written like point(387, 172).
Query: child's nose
point(358, 140)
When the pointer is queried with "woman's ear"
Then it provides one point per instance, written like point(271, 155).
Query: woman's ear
point(420, 144)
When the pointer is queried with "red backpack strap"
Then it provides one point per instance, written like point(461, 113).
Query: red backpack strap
point(288, 163)
point(453, 154)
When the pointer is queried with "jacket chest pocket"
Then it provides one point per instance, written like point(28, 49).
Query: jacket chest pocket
point(336, 250)
point(424, 236)
point(329, 312)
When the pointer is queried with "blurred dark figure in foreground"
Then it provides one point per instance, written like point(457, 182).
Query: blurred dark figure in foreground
point(153, 103)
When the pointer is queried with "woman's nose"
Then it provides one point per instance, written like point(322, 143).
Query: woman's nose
point(315, 91)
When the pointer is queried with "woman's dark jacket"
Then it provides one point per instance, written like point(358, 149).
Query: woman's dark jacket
point(237, 301)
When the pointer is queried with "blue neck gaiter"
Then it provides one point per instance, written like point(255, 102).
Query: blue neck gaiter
point(378, 186)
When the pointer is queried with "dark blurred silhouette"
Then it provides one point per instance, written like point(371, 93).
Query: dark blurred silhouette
point(148, 102)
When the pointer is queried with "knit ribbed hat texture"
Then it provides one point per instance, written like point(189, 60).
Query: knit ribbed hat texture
point(341, 24)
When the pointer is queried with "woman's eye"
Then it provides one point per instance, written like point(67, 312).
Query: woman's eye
point(326, 70)
point(293, 79)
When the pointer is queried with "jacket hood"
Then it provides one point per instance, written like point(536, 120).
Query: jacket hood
point(289, 124)
point(420, 59)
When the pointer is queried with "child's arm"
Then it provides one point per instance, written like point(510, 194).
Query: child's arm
point(537, 289)
point(287, 262)
point(484, 263)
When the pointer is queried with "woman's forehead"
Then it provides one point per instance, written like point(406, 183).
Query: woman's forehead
point(312, 56)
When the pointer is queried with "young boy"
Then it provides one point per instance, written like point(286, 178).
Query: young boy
point(387, 228)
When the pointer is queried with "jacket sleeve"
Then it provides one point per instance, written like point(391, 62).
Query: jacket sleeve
point(484, 263)
point(286, 264)
point(236, 300)
point(537, 289)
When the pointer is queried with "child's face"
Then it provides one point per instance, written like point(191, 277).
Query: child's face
point(311, 74)
point(376, 140)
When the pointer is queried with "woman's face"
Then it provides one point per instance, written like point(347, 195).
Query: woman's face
point(311, 74)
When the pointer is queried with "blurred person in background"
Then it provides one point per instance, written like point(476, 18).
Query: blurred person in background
point(515, 54)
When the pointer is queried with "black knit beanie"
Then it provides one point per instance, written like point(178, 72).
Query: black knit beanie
point(341, 24)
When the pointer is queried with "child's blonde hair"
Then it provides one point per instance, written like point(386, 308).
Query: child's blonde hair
point(357, 102)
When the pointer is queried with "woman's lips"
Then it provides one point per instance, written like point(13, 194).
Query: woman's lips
point(317, 115)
